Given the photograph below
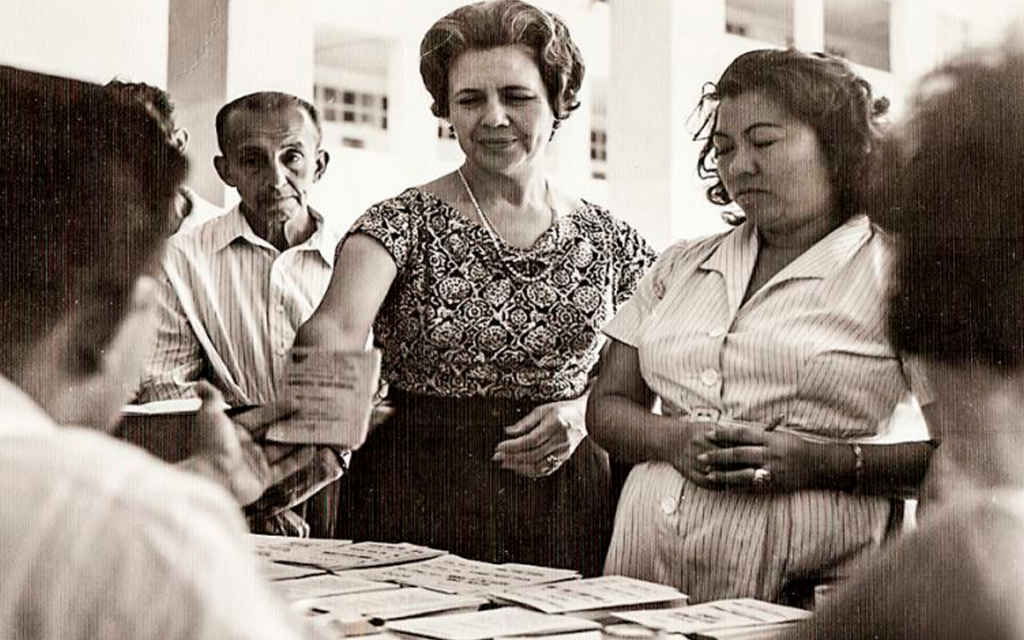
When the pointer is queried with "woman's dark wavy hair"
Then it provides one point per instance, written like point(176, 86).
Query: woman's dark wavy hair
point(820, 90)
point(499, 23)
point(953, 194)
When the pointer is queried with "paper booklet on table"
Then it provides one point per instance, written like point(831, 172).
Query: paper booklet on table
point(273, 571)
point(341, 556)
point(492, 623)
point(332, 393)
point(718, 615)
point(309, 588)
point(452, 574)
point(395, 604)
point(593, 595)
point(295, 550)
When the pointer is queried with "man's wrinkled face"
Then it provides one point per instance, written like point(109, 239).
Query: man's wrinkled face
point(272, 159)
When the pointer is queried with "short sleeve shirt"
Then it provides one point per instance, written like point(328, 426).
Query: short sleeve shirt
point(468, 315)
point(811, 345)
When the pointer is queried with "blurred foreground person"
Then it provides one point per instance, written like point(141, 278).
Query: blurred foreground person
point(955, 199)
point(189, 210)
point(97, 538)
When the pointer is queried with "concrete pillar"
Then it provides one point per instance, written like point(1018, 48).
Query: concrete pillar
point(225, 49)
point(661, 54)
point(809, 25)
point(912, 46)
point(412, 127)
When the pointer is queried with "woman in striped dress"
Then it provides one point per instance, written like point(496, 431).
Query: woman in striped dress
point(779, 322)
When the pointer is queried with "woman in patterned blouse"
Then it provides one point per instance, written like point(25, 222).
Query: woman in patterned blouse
point(487, 289)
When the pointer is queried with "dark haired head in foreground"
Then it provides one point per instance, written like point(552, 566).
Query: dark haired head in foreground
point(955, 196)
point(953, 193)
point(100, 540)
point(87, 184)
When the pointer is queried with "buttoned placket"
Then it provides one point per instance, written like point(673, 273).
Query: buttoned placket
point(282, 335)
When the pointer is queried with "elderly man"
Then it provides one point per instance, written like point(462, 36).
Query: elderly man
point(189, 210)
point(97, 538)
point(238, 287)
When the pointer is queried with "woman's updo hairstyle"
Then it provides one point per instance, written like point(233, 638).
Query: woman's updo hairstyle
point(500, 23)
point(821, 90)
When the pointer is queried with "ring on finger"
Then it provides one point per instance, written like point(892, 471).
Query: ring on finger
point(762, 478)
point(551, 463)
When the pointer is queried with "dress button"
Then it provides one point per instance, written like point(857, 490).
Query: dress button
point(716, 333)
point(280, 352)
point(668, 506)
point(280, 308)
point(709, 377)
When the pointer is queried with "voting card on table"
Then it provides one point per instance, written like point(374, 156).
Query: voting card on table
point(716, 615)
point(592, 594)
point(452, 574)
point(493, 623)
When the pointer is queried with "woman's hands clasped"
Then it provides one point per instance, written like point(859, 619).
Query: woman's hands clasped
point(748, 458)
point(544, 439)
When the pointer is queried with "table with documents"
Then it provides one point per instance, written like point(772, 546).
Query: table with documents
point(391, 590)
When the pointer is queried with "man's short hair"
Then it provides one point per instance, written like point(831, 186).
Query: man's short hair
point(264, 102)
point(155, 99)
point(87, 183)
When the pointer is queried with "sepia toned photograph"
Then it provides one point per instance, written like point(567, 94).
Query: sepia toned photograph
point(508, 319)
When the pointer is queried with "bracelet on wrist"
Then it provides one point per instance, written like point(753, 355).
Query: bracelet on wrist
point(858, 467)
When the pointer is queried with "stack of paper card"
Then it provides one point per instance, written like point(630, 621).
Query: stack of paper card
point(493, 623)
point(325, 585)
point(452, 574)
point(339, 555)
point(294, 550)
point(395, 604)
point(731, 618)
point(593, 597)
point(273, 571)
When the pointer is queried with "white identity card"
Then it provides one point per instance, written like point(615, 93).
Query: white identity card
point(593, 593)
point(492, 623)
point(452, 574)
point(327, 584)
point(396, 603)
point(332, 392)
point(719, 614)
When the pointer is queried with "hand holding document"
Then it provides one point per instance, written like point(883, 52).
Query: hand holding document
point(715, 616)
point(332, 394)
point(593, 594)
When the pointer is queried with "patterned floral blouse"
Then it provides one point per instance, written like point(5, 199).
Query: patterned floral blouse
point(471, 315)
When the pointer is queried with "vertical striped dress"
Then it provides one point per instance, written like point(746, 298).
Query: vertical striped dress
point(811, 345)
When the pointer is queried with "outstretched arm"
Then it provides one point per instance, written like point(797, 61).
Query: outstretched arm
point(363, 274)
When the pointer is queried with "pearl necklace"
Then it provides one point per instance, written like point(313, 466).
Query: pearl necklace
point(537, 268)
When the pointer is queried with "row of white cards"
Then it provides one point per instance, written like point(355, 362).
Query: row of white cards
point(395, 585)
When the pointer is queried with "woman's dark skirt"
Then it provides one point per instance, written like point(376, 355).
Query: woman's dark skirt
point(426, 477)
